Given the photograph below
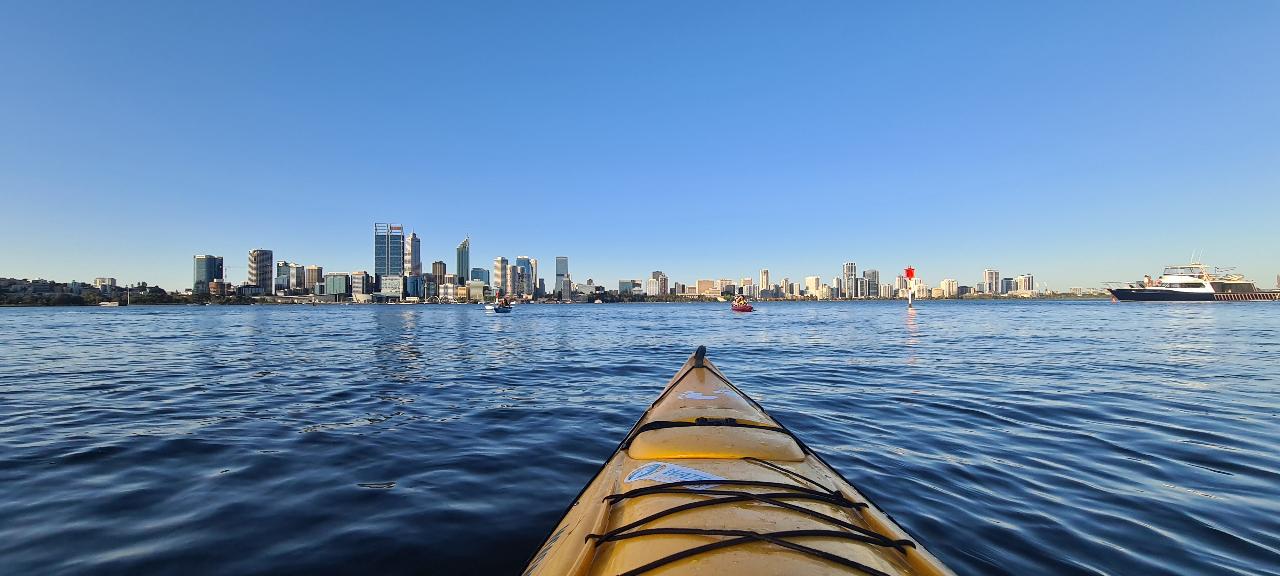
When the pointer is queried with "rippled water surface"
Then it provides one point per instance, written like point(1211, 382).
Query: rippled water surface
point(1011, 437)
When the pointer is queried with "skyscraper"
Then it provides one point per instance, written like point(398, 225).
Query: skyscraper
point(533, 277)
point(511, 280)
point(298, 278)
point(850, 277)
point(991, 281)
point(207, 269)
point(498, 281)
point(413, 255)
point(282, 276)
point(260, 262)
point(480, 274)
point(388, 250)
point(764, 279)
point(464, 261)
point(524, 276)
point(438, 270)
point(662, 286)
point(873, 283)
point(562, 278)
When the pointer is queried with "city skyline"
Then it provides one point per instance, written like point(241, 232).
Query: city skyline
point(1041, 138)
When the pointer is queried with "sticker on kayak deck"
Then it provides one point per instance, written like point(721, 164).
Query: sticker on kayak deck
point(695, 395)
point(665, 472)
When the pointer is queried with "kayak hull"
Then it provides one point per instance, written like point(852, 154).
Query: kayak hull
point(706, 482)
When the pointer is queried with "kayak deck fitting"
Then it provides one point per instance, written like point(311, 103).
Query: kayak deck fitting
point(707, 483)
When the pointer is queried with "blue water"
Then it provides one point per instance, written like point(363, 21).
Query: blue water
point(1011, 437)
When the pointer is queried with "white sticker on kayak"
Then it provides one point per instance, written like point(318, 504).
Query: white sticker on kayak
point(695, 395)
point(666, 472)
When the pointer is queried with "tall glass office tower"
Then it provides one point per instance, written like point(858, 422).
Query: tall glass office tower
point(464, 261)
point(562, 278)
point(207, 269)
point(388, 250)
point(524, 276)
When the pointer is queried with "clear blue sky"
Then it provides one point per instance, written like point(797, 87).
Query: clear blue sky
point(1080, 141)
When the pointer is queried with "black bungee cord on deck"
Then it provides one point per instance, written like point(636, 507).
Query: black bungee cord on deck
point(794, 492)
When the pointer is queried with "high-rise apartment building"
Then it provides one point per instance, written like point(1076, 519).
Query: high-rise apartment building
point(282, 276)
point(207, 269)
point(534, 282)
point(464, 261)
point(1007, 285)
point(764, 279)
point(388, 250)
point(260, 262)
point(950, 288)
point(1025, 283)
point(663, 283)
point(500, 276)
point(850, 275)
point(811, 285)
point(512, 280)
point(413, 255)
point(991, 281)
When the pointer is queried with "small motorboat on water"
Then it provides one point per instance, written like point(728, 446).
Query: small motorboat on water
point(708, 483)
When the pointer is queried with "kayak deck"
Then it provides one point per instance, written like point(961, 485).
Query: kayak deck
point(708, 483)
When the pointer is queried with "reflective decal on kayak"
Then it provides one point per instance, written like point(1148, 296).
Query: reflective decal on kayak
point(666, 472)
point(695, 395)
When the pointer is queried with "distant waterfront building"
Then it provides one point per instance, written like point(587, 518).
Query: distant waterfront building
point(314, 275)
point(534, 282)
point(850, 274)
point(416, 286)
point(991, 280)
point(1025, 283)
point(1006, 286)
point(524, 279)
point(337, 283)
point(950, 288)
point(512, 280)
point(480, 274)
point(663, 283)
point(392, 286)
point(873, 282)
point(413, 255)
point(438, 270)
point(498, 281)
point(562, 278)
point(260, 262)
point(464, 261)
point(475, 290)
point(282, 276)
point(886, 291)
point(812, 284)
point(707, 288)
point(361, 284)
point(388, 250)
point(298, 279)
point(207, 269)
